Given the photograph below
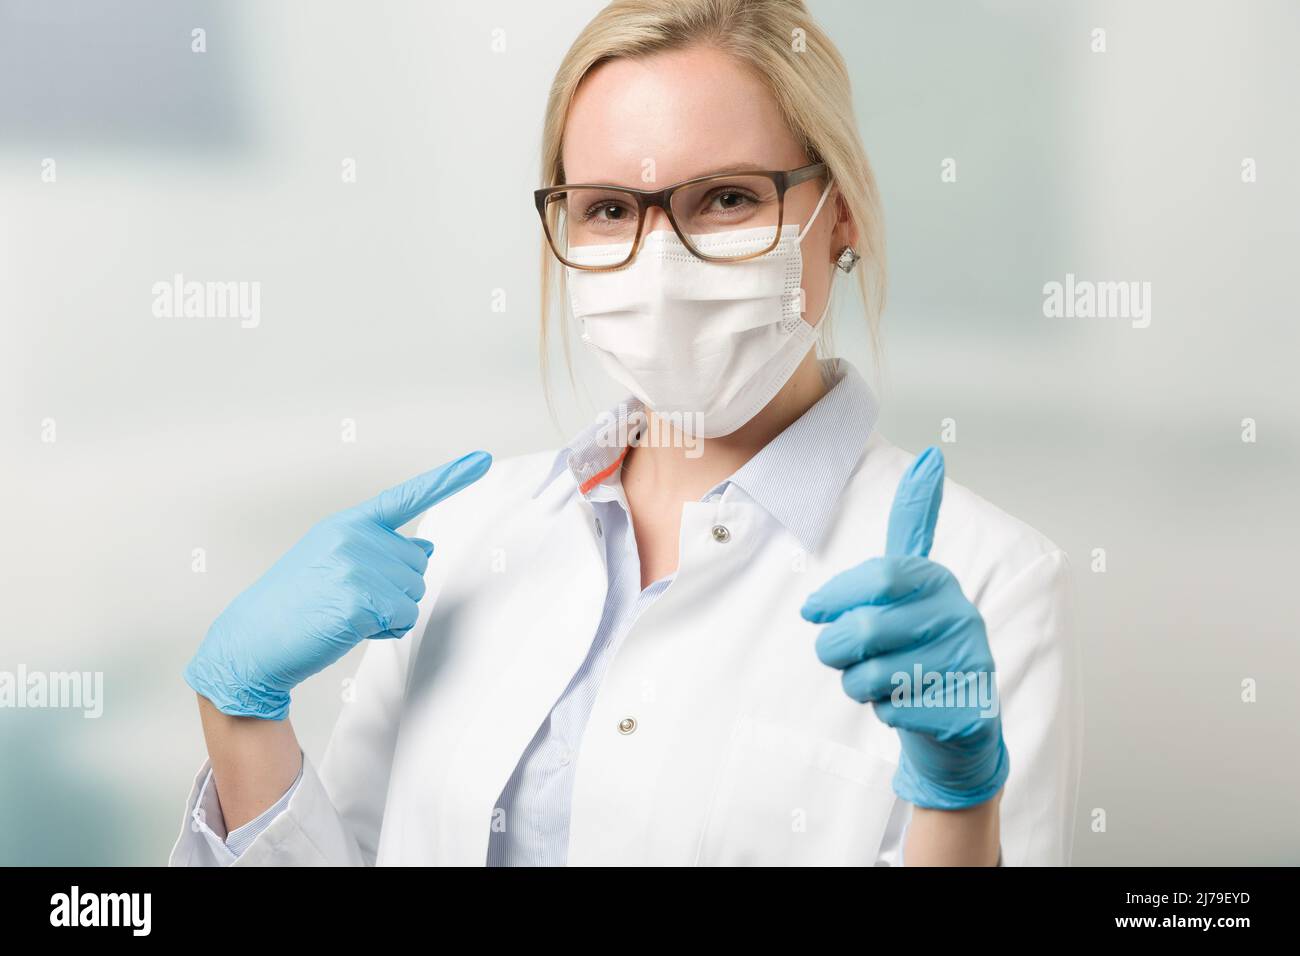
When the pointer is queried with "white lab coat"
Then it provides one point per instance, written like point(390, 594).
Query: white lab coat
point(745, 750)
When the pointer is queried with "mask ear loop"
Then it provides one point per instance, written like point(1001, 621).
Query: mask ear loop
point(803, 231)
point(826, 311)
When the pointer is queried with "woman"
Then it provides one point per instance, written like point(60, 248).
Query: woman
point(655, 646)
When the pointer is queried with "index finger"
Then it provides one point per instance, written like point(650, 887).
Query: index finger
point(916, 506)
point(401, 503)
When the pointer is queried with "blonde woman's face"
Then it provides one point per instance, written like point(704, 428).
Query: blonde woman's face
point(652, 122)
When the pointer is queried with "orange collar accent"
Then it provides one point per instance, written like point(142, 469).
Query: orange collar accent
point(600, 476)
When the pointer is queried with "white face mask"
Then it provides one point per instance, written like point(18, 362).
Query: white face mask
point(705, 345)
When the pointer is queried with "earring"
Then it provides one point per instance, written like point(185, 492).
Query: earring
point(847, 260)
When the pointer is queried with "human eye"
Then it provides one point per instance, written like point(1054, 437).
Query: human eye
point(602, 211)
point(607, 210)
point(729, 200)
point(723, 202)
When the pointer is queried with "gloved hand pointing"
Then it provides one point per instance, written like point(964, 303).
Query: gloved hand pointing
point(351, 577)
point(897, 617)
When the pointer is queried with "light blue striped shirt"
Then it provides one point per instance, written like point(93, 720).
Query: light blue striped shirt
point(798, 478)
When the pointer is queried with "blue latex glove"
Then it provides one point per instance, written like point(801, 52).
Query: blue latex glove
point(351, 577)
point(894, 614)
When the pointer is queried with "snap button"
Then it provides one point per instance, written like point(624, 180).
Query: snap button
point(627, 725)
point(721, 534)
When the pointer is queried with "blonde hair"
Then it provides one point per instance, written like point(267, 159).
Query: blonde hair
point(780, 41)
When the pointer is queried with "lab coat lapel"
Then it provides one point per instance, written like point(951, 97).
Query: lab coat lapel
point(556, 625)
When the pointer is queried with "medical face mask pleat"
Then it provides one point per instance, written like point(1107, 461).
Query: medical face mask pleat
point(720, 295)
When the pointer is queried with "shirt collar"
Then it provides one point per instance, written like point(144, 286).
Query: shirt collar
point(832, 434)
point(598, 450)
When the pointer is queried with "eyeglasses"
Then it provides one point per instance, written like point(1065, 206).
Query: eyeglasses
point(592, 222)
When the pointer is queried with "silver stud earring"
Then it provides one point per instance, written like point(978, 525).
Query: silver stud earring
point(847, 260)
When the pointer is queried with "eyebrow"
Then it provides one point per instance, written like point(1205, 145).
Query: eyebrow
point(719, 171)
point(735, 168)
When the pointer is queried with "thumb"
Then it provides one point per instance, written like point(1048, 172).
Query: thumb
point(401, 503)
point(916, 506)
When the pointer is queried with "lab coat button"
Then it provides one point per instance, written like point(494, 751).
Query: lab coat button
point(598, 531)
point(627, 725)
point(721, 534)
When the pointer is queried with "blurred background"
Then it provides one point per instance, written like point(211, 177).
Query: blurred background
point(377, 308)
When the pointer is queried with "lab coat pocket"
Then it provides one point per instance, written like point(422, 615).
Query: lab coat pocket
point(787, 798)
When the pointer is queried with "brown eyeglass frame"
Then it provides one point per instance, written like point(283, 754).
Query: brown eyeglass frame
point(782, 179)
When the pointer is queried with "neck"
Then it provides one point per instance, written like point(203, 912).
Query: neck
point(665, 472)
